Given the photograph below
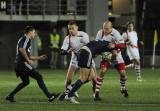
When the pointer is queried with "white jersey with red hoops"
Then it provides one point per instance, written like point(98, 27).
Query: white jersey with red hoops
point(114, 37)
point(132, 47)
point(75, 42)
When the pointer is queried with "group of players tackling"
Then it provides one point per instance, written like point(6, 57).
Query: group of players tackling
point(84, 51)
point(107, 41)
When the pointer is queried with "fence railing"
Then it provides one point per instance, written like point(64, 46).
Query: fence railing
point(43, 7)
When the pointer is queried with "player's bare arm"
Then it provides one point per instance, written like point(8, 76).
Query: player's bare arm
point(24, 54)
point(42, 57)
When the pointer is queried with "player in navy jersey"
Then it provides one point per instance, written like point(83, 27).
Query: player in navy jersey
point(24, 66)
point(84, 58)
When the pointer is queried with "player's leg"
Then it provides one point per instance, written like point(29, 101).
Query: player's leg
point(84, 62)
point(71, 71)
point(70, 74)
point(52, 59)
point(93, 77)
point(94, 73)
point(68, 86)
point(137, 69)
point(84, 74)
point(134, 56)
point(36, 75)
point(25, 81)
point(99, 80)
point(73, 67)
point(55, 58)
point(121, 69)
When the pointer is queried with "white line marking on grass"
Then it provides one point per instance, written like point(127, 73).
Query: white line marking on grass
point(90, 103)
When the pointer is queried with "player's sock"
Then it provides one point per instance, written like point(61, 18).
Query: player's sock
point(123, 88)
point(68, 83)
point(41, 84)
point(123, 82)
point(69, 87)
point(129, 66)
point(93, 85)
point(138, 71)
point(44, 88)
point(76, 86)
point(99, 82)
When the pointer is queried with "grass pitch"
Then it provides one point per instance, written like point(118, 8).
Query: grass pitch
point(143, 96)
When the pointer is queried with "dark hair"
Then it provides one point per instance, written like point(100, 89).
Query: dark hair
point(72, 23)
point(28, 29)
point(128, 23)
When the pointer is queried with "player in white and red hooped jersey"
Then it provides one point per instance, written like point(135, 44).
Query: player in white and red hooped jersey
point(72, 43)
point(131, 39)
point(108, 33)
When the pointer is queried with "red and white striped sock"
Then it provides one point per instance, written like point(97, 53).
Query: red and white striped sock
point(99, 82)
point(122, 83)
point(138, 71)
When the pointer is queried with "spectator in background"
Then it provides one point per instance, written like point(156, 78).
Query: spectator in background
point(55, 46)
point(21, 7)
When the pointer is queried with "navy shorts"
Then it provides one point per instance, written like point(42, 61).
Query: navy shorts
point(22, 68)
point(84, 59)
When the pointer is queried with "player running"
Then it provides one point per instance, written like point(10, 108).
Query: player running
point(131, 39)
point(108, 33)
point(24, 68)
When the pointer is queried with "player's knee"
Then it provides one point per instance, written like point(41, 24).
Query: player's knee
point(40, 77)
point(25, 83)
point(86, 81)
point(137, 62)
point(122, 72)
point(123, 77)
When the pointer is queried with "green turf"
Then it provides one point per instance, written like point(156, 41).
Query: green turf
point(143, 96)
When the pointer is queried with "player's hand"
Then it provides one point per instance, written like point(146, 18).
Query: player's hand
point(141, 43)
point(43, 57)
point(30, 62)
point(70, 50)
point(132, 45)
point(114, 54)
point(110, 46)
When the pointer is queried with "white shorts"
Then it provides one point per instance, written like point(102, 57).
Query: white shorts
point(133, 53)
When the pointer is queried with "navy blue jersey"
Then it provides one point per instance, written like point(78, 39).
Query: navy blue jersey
point(97, 47)
point(25, 43)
